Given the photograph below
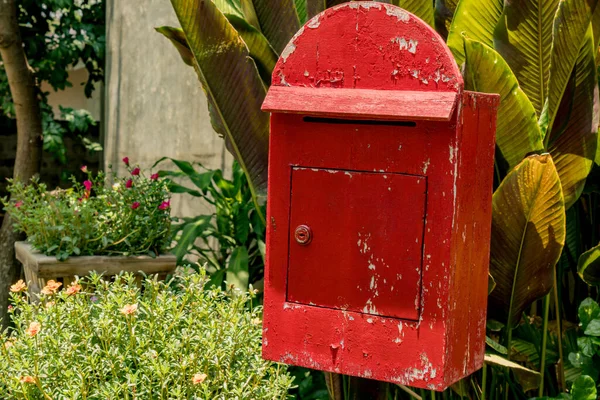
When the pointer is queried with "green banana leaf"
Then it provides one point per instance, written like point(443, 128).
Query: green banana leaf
point(421, 8)
point(574, 137)
point(528, 234)
point(517, 131)
point(233, 87)
point(301, 10)
point(523, 37)
point(229, 7)
point(476, 20)
point(278, 20)
point(570, 28)
point(588, 266)
point(260, 48)
point(443, 13)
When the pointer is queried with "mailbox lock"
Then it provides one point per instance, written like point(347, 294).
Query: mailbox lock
point(303, 234)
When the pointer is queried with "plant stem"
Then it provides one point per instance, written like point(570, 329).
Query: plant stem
point(544, 341)
point(410, 392)
point(483, 381)
point(561, 360)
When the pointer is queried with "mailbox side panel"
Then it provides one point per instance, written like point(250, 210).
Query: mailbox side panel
point(475, 144)
point(354, 343)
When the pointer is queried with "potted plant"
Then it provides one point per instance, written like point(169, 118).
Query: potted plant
point(92, 226)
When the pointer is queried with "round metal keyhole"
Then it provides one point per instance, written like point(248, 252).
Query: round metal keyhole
point(303, 234)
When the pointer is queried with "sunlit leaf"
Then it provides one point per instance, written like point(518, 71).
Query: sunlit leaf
point(573, 144)
point(588, 311)
point(517, 130)
point(524, 39)
point(570, 27)
point(528, 234)
point(476, 20)
point(584, 388)
point(528, 378)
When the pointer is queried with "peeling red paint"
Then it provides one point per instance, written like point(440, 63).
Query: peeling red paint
point(393, 283)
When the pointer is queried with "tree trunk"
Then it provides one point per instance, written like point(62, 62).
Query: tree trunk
point(29, 134)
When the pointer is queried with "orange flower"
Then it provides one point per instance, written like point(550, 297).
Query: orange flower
point(73, 289)
point(51, 287)
point(129, 309)
point(27, 379)
point(20, 286)
point(198, 379)
point(33, 329)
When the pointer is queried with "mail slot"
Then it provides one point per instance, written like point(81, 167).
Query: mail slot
point(379, 202)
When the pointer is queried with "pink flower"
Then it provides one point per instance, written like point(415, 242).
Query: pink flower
point(129, 309)
point(135, 205)
point(126, 161)
point(154, 177)
point(164, 205)
point(84, 169)
point(19, 203)
point(135, 171)
point(88, 185)
point(129, 184)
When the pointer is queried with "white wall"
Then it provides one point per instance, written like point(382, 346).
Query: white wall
point(154, 105)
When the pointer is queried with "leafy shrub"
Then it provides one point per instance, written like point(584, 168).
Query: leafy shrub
point(236, 227)
point(131, 217)
point(100, 340)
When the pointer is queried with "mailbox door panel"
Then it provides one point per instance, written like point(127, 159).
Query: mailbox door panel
point(364, 251)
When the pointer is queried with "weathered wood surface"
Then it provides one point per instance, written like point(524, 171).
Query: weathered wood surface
point(377, 104)
point(338, 306)
point(39, 267)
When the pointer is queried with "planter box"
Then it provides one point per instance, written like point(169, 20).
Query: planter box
point(40, 268)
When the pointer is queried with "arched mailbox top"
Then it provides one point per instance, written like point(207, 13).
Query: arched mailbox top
point(366, 48)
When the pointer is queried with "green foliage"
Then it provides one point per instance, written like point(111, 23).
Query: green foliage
point(229, 241)
point(128, 218)
point(57, 36)
point(101, 340)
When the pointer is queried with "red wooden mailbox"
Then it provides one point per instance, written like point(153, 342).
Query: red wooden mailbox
point(379, 203)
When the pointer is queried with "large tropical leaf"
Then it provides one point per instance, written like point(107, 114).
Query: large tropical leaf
point(260, 48)
point(476, 20)
point(528, 234)
point(588, 266)
point(523, 37)
point(177, 38)
point(232, 84)
point(570, 28)
point(444, 11)
point(421, 8)
point(573, 138)
point(517, 131)
point(278, 20)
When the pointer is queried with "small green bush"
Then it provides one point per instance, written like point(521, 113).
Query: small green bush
point(131, 217)
point(100, 340)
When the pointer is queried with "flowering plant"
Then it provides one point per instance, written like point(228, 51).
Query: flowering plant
point(101, 340)
point(131, 217)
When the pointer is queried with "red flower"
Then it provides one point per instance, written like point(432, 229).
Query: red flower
point(154, 177)
point(84, 169)
point(126, 161)
point(135, 171)
point(135, 205)
point(129, 184)
point(164, 205)
point(19, 203)
point(88, 185)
